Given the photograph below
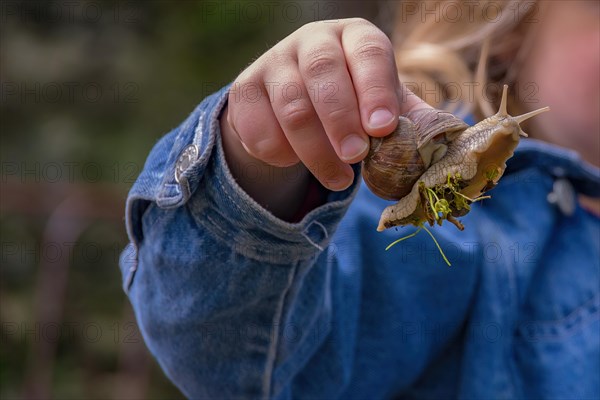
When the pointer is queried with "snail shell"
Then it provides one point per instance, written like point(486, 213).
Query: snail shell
point(448, 149)
point(395, 162)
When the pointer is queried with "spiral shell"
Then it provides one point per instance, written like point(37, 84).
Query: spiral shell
point(395, 162)
point(460, 164)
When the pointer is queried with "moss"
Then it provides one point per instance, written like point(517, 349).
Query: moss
point(442, 202)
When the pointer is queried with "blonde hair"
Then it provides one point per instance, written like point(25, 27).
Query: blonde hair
point(457, 54)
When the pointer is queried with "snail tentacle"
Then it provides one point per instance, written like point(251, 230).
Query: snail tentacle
point(457, 161)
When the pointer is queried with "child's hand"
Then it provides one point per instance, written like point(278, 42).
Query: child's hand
point(315, 97)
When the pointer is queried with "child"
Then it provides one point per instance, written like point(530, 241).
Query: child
point(254, 266)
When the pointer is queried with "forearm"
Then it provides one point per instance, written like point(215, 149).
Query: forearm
point(218, 277)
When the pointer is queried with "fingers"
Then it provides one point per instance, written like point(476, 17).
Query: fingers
point(371, 64)
point(317, 96)
point(251, 116)
point(323, 69)
point(304, 131)
point(410, 101)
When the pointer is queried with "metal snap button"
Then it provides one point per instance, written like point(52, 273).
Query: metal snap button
point(185, 160)
point(563, 196)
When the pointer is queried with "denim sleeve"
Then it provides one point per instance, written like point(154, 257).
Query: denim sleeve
point(219, 285)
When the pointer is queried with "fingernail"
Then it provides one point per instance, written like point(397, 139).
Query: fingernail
point(352, 147)
point(380, 118)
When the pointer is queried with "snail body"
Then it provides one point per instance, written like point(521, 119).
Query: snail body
point(464, 163)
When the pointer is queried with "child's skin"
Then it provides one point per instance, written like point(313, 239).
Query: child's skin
point(297, 131)
point(564, 62)
point(358, 57)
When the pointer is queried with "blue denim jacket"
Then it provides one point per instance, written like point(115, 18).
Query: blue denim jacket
point(235, 303)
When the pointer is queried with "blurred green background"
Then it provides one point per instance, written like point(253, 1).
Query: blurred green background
point(87, 88)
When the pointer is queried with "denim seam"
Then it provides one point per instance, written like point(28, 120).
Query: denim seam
point(281, 225)
point(303, 232)
point(291, 237)
point(233, 202)
point(272, 353)
point(199, 130)
point(129, 257)
point(312, 242)
point(514, 381)
point(247, 249)
point(509, 311)
point(184, 189)
point(219, 228)
point(584, 311)
point(543, 151)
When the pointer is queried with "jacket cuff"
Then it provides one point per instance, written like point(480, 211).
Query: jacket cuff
point(175, 165)
point(234, 217)
point(171, 174)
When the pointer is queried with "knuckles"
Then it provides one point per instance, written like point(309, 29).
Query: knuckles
point(320, 62)
point(341, 114)
point(374, 91)
point(370, 50)
point(373, 43)
point(272, 151)
point(295, 115)
point(358, 21)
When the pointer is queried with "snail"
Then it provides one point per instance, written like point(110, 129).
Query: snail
point(435, 165)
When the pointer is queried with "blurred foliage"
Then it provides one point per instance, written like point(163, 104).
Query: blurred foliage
point(141, 57)
point(87, 88)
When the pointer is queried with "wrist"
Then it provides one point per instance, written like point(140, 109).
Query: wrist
point(282, 191)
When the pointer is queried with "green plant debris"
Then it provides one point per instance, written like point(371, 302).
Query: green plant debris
point(422, 227)
point(443, 202)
